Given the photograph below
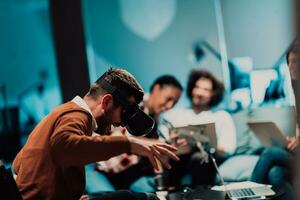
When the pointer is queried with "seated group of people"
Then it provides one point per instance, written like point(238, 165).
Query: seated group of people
point(51, 164)
point(204, 91)
point(274, 166)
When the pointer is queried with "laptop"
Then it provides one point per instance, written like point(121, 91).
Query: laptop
point(244, 193)
point(268, 133)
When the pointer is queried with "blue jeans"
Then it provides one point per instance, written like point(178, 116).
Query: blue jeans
point(272, 167)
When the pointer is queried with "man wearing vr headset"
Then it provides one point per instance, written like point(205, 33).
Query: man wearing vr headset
point(124, 170)
point(51, 164)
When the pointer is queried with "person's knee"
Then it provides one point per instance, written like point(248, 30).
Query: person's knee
point(269, 155)
point(272, 152)
point(276, 176)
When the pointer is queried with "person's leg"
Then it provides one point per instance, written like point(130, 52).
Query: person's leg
point(126, 178)
point(276, 176)
point(284, 191)
point(270, 157)
point(202, 173)
point(178, 170)
point(143, 184)
point(96, 182)
point(125, 195)
point(281, 157)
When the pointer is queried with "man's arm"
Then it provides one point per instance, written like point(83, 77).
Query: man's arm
point(70, 146)
point(226, 132)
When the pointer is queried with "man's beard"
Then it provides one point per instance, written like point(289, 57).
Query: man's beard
point(200, 102)
point(104, 123)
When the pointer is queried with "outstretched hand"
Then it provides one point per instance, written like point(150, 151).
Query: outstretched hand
point(157, 152)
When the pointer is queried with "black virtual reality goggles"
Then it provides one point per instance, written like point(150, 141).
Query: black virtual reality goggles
point(136, 121)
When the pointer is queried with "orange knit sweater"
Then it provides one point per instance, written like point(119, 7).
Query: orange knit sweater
point(51, 164)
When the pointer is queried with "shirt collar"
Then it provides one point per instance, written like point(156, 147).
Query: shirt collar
point(80, 102)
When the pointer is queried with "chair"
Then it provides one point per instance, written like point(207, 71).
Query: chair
point(8, 187)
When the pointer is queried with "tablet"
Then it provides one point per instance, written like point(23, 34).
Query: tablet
point(268, 133)
point(204, 133)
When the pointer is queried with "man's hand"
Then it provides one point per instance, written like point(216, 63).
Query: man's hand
point(157, 152)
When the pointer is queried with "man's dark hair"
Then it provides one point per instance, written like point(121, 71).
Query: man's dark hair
point(122, 80)
point(292, 49)
point(217, 86)
point(166, 80)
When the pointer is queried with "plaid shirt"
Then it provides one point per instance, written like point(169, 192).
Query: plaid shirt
point(118, 163)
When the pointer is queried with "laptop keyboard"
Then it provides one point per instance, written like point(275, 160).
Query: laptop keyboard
point(241, 193)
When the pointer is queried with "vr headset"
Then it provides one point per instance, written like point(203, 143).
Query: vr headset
point(137, 122)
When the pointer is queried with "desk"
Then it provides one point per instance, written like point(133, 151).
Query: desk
point(204, 193)
point(200, 193)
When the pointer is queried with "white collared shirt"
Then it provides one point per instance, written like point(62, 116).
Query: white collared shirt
point(80, 102)
point(225, 128)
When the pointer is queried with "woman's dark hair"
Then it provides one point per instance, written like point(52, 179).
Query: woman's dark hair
point(166, 80)
point(218, 87)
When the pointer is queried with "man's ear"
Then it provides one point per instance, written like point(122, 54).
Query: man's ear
point(156, 87)
point(107, 101)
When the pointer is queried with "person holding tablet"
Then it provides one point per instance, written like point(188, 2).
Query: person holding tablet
point(275, 165)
